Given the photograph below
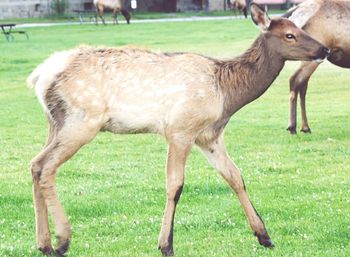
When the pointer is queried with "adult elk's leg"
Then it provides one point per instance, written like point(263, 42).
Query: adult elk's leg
point(236, 10)
point(126, 15)
point(245, 11)
point(218, 158)
point(62, 146)
point(177, 155)
point(115, 16)
point(298, 84)
point(99, 13)
point(304, 123)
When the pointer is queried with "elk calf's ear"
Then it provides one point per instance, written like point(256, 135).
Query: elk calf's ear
point(259, 16)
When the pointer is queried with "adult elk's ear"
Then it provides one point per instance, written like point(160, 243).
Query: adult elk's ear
point(259, 16)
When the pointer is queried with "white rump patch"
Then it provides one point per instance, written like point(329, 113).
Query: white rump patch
point(43, 75)
point(304, 12)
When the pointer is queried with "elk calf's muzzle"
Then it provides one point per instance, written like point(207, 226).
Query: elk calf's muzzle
point(323, 53)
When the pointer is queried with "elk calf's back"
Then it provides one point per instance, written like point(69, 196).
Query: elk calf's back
point(129, 90)
point(187, 98)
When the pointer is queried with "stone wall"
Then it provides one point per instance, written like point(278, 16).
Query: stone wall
point(150, 5)
point(198, 5)
point(189, 5)
point(23, 8)
point(34, 8)
point(216, 5)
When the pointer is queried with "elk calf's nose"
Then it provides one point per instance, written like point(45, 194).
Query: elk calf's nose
point(324, 52)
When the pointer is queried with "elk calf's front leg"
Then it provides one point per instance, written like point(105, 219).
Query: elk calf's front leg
point(177, 155)
point(218, 158)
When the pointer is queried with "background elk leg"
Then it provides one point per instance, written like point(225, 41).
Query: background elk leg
point(99, 13)
point(298, 83)
point(115, 16)
point(309, 71)
point(126, 15)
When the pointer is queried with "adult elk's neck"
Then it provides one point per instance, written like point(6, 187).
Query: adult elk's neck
point(248, 76)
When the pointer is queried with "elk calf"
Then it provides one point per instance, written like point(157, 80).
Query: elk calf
point(187, 98)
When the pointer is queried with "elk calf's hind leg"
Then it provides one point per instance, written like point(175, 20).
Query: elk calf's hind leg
point(41, 216)
point(218, 158)
point(63, 146)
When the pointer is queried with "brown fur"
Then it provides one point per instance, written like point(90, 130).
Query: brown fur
point(329, 24)
point(240, 74)
point(187, 98)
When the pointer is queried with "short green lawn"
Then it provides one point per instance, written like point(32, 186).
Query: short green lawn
point(74, 16)
point(113, 190)
point(69, 17)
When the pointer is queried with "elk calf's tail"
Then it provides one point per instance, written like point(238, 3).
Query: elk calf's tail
point(34, 76)
point(45, 74)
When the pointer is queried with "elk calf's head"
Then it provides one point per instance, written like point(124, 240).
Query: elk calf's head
point(284, 37)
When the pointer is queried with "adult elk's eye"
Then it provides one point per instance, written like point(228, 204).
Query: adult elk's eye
point(290, 36)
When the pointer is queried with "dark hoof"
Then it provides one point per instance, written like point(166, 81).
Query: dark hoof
point(63, 246)
point(292, 130)
point(58, 254)
point(305, 130)
point(47, 250)
point(167, 251)
point(264, 240)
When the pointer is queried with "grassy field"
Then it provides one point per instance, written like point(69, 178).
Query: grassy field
point(69, 17)
point(113, 190)
point(74, 17)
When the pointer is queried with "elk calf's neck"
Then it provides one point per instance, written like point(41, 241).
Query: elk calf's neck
point(188, 98)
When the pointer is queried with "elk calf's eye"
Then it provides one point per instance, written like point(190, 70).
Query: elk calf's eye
point(290, 36)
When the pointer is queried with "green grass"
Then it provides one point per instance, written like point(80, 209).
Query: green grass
point(74, 17)
point(69, 17)
point(113, 190)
